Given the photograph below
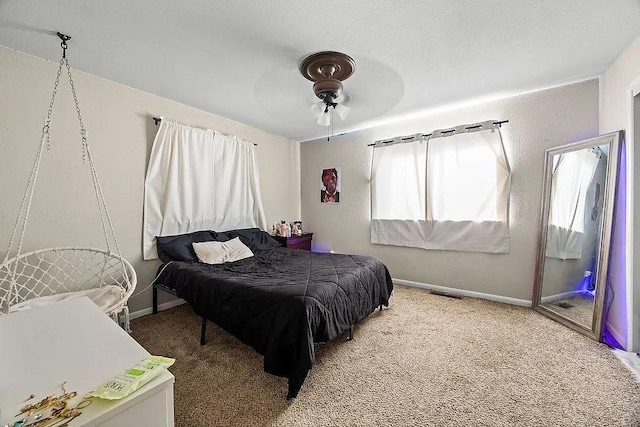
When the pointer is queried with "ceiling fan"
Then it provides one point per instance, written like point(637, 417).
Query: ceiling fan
point(328, 70)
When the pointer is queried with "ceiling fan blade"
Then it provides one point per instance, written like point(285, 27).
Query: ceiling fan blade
point(317, 109)
point(341, 98)
point(325, 119)
point(342, 111)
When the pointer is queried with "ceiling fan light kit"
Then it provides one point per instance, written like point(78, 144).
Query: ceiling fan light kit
point(328, 70)
point(342, 110)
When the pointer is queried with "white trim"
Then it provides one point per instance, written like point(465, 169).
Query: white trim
point(616, 334)
point(559, 296)
point(163, 306)
point(629, 225)
point(465, 293)
point(630, 360)
point(600, 103)
point(634, 89)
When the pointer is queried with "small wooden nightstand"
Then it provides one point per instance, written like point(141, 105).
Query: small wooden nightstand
point(296, 242)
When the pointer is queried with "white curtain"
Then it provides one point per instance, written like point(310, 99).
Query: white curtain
point(398, 194)
point(199, 179)
point(473, 168)
point(448, 193)
point(398, 177)
point(571, 177)
point(468, 185)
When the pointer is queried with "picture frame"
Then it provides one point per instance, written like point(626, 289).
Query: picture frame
point(330, 185)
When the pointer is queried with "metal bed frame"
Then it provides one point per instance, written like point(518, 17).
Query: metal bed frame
point(203, 328)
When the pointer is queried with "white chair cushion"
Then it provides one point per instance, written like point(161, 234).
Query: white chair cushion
point(221, 252)
point(103, 297)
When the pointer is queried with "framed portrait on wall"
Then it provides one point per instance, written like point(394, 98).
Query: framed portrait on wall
point(330, 185)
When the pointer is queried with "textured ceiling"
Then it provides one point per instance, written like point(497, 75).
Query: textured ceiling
point(239, 59)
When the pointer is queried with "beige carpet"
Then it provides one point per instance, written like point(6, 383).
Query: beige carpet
point(425, 361)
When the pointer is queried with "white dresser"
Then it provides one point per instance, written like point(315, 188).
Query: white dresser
point(75, 341)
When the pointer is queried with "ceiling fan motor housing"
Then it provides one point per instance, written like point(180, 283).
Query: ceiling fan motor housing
point(328, 87)
point(327, 70)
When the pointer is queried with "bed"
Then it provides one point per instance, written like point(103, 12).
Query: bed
point(279, 301)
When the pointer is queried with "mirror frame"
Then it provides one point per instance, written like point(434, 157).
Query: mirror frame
point(613, 139)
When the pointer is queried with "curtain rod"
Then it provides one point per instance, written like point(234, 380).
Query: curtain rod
point(157, 121)
point(426, 135)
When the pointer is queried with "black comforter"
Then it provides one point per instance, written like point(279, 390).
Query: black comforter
point(281, 301)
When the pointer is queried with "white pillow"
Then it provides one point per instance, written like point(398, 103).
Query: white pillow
point(221, 252)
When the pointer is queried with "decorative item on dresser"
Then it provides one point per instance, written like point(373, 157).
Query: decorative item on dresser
point(296, 242)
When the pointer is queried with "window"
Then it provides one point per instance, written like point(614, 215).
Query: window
point(446, 193)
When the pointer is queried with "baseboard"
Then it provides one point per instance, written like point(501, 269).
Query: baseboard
point(453, 291)
point(163, 306)
point(621, 338)
point(559, 296)
point(465, 293)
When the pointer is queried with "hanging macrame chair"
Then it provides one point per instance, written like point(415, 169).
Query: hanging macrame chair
point(48, 275)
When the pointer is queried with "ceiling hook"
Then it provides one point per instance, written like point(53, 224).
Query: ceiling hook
point(65, 38)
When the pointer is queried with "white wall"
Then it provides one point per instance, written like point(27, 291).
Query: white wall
point(537, 121)
point(615, 114)
point(121, 132)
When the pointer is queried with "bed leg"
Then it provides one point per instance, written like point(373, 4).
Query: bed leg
point(295, 384)
point(350, 336)
point(292, 395)
point(155, 300)
point(203, 331)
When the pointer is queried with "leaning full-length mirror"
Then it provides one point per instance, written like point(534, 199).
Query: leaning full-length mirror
point(575, 232)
